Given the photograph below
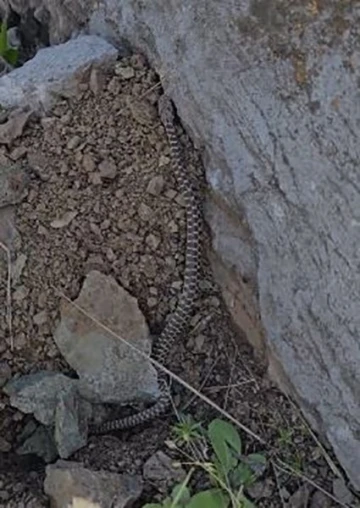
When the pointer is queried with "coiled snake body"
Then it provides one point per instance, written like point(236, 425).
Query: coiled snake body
point(178, 322)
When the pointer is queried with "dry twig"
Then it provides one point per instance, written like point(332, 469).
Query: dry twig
point(8, 294)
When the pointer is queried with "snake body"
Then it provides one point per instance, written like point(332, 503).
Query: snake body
point(178, 322)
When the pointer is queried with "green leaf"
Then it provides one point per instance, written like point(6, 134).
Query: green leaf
point(3, 38)
point(213, 498)
point(12, 56)
point(242, 475)
point(224, 437)
point(180, 493)
point(246, 503)
point(152, 505)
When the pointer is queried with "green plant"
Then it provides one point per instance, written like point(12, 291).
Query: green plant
point(285, 437)
point(229, 471)
point(9, 54)
point(187, 430)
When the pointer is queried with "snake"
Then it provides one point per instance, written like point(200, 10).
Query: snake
point(178, 322)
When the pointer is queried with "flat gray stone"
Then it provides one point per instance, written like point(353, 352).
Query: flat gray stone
point(66, 482)
point(109, 371)
point(39, 393)
point(54, 70)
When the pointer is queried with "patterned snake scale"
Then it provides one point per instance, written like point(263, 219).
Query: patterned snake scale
point(178, 322)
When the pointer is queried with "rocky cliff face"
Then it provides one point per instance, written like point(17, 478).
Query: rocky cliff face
point(269, 90)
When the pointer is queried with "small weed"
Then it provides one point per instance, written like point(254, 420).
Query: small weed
point(285, 437)
point(297, 461)
point(229, 471)
point(9, 54)
point(187, 430)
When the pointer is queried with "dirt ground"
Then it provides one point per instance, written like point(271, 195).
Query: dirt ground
point(100, 165)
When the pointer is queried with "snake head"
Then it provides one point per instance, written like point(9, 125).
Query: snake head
point(166, 109)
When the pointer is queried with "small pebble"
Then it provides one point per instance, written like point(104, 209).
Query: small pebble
point(144, 211)
point(124, 72)
point(88, 163)
point(170, 194)
point(20, 294)
point(97, 81)
point(152, 302)
point(108, 169)
point(164, 161)
point(40, 318)
point(152, 241)
point(95, 178)
point(156, 185)
point(73, 143)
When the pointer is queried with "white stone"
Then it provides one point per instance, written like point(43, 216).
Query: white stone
point(53, 70)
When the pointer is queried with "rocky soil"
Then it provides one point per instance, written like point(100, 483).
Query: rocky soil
point(101, 195)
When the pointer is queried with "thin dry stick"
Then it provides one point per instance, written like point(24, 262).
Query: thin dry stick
point(239, 358)
point(161, 367)
point(149, 90)
point(8, 294)
point(201, 387)
point(226, 400)
point(216, 388)
point(278, 485)
point(327, 457)
point(285, 468)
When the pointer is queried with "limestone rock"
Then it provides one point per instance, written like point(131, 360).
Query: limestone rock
point(70, 484)
point(54, 70)
point(108, 369)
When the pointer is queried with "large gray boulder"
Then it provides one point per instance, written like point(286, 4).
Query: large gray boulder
point(270, 91)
